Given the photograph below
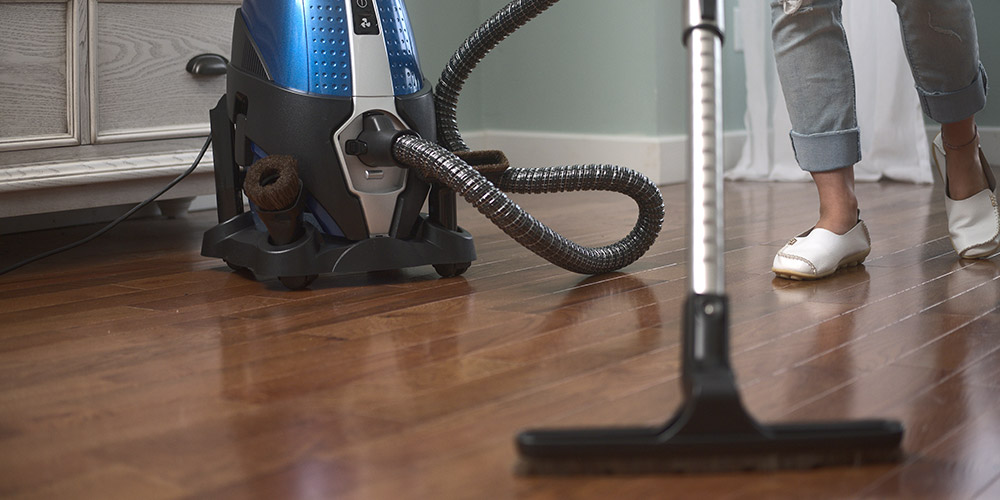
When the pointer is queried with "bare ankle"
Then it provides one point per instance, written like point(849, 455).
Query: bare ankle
point(838, 205)
point(838, 221)
point(963, 168)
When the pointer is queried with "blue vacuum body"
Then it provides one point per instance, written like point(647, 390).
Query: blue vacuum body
point(306, 79)
point(308, 46)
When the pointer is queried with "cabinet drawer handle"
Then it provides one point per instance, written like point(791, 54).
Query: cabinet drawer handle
point(207, 65)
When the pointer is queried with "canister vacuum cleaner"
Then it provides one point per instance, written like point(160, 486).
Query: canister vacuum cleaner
point(330, 130)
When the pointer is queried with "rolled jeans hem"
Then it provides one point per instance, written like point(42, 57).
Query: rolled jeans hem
point(950, 107)
point(827, 150)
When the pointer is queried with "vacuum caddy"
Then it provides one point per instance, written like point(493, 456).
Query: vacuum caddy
point(328, 128)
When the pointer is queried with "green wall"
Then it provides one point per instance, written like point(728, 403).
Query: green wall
point(582, 67)
point(440, 26)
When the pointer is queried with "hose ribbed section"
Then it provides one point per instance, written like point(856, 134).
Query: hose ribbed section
point(433, 162)
point(465, 59)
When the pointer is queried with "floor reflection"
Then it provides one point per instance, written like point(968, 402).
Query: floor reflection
point(614, 291)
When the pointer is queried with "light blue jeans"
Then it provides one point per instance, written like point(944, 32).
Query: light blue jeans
point(817, 78)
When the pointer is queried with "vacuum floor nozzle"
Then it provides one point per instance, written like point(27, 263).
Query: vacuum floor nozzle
point(671, 449)
point(712, 431)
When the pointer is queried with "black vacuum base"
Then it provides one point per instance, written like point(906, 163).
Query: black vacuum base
point(243, 246)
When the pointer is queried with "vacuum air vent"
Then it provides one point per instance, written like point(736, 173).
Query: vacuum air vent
point(251, 63)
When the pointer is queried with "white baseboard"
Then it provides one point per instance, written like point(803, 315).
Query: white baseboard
point(662, 159)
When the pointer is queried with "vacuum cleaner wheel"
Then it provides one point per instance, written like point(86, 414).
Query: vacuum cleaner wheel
point(297, 282)
point(452, 270)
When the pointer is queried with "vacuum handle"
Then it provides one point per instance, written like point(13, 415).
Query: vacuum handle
point(703, 36)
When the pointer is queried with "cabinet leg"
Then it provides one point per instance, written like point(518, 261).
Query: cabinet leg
point(175, 208)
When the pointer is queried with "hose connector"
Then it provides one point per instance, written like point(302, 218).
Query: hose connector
point(374, 145)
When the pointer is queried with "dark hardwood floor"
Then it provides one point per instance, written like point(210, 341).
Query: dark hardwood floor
point(135, 368)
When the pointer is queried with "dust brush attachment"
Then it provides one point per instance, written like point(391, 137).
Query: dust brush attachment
point(273, 185)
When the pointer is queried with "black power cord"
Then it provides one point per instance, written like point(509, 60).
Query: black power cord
point(117, 221)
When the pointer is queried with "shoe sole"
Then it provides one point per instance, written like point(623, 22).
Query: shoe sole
point(849, 261)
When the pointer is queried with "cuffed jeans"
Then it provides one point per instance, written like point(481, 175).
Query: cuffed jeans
point(817, 77)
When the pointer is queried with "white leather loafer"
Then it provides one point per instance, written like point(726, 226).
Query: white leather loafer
point(973, 223)
point(818, 253)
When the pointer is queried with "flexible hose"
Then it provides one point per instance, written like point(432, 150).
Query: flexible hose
point(438, 163)
point(433, 162)
point(465, 59)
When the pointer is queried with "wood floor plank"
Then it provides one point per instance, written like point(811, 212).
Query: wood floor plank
point(63, 297)
point(939, 464)
point(986, 371)
point(129, 484)
point(991, 491)
point(961, 463)
point(136, 368)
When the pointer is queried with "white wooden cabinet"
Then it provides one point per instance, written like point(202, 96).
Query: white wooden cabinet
point(97, 107)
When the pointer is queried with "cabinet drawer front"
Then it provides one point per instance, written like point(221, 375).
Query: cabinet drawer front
point(142, 89)
point(35, 97)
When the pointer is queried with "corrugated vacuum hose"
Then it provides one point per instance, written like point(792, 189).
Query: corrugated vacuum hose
point(497, 28)
point(434, 162)
point(439, 164)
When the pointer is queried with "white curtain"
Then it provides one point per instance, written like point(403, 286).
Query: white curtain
point(893, 138)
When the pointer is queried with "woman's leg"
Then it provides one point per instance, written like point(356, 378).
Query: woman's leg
point(965, 172)
point(942, 47)
point(838, 206)
point(817, 79)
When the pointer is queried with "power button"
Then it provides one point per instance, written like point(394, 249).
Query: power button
point(365, 20)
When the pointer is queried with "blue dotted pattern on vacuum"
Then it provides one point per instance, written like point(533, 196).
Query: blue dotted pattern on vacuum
point(404, 63)
point(329, 48)
point(317, 61)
